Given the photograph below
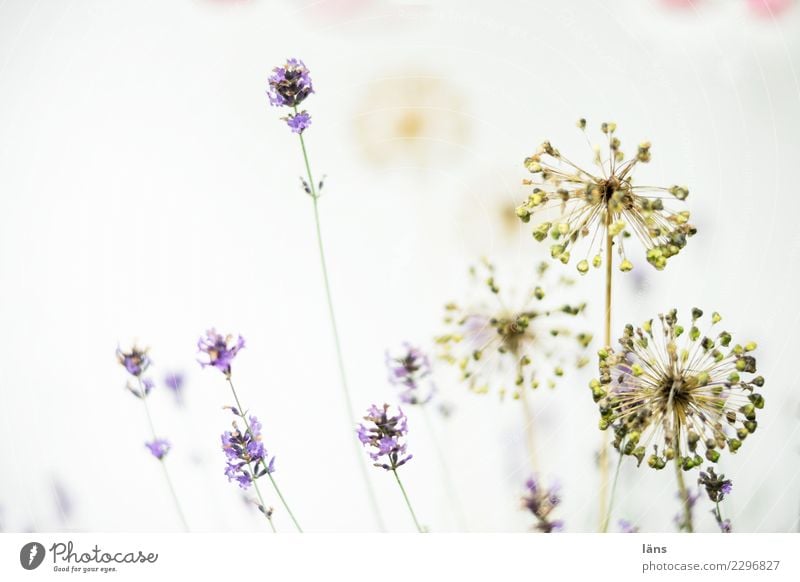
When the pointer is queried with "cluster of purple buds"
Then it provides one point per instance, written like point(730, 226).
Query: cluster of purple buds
point(541, 502)
point(174, 381)
point(717, 486)
point(159, 448)
point(220, 350)
point(627, 527)
point(289, 86)
point(409, 369)
point(136, 362)
point(141, 389)
point(383, 433)
point(247, 459)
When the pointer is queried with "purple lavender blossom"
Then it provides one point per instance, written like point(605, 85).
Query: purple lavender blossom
point(725, 526)
point(299, 122)
point(541, 501)
point(159, 448)
point(409, 370)
point(174, 381)
point(290, 84)
point(384, 433)
point(627, 527)
point(221, 350)
point(717, 486)
point(142, 388)
point(245, 454)
point(135, 362)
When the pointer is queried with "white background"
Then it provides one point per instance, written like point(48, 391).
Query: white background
point(148, 191)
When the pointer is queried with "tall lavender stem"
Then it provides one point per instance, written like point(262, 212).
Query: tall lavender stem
point(337, 342)
point(175, 499)
point(408, 503)
point(271, 478)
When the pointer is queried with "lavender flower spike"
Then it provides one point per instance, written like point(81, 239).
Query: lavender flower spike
point(159, 448)
point(409, 370)
point(290, 84)
point(247, 458)
point(221, 350)
point(299, 122)
point(541, 501)
point(136, 361)
point(383, 433)
point(174, 381)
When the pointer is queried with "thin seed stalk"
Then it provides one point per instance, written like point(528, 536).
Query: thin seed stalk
point(603, 457)
point(684, 495)
point(604, 528)
point(530, 433)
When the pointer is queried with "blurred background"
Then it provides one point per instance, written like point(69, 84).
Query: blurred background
point(148, 192)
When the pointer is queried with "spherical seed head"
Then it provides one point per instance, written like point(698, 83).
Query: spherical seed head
point(597, 205)
point(503, 342)
point(676, 395)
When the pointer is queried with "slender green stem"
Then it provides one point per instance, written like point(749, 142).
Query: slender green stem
point(603, 457)
point(408, 503)
point(530, 433)
point(175, 499)
point(452, 498)
point(684, 495)
point(243, 416)
point(604, 529)
point(718, 517)
point(283, 501)
point(312, 186)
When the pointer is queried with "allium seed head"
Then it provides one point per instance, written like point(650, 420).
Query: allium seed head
point(511, 343)
point(683, 394)
point(582, 205)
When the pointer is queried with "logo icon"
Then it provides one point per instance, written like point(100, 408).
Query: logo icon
point(31, 555)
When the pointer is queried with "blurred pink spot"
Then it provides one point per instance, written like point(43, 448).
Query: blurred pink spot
point(681, 3)
point(336, 9)
point(769, 7)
